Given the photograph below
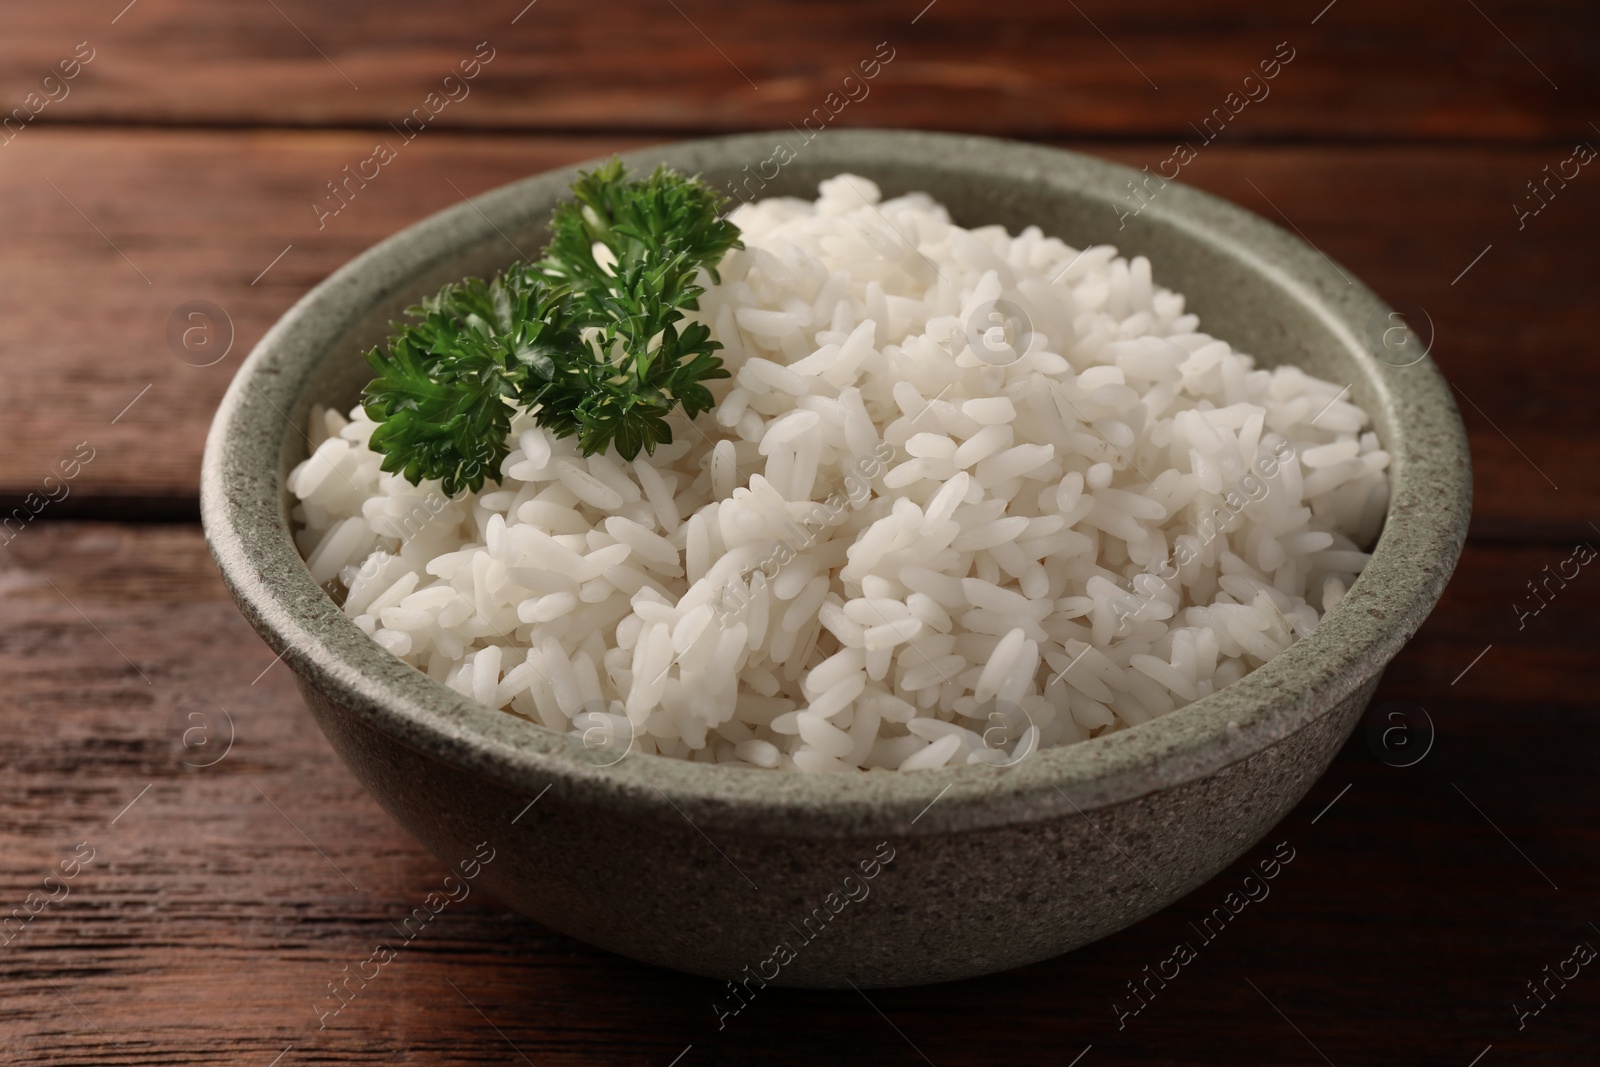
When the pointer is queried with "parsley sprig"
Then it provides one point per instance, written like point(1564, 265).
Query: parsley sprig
point(591, 347)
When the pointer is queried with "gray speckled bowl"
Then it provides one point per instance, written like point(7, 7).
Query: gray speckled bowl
point(709, 869)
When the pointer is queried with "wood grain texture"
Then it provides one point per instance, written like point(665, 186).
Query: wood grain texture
point(207, 923)
point(1434, 69)
point(191, 216)
point(201, 215)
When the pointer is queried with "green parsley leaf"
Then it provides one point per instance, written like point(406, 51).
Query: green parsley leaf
point(591, 347)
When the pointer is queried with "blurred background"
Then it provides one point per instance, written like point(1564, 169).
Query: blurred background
point(175, 174)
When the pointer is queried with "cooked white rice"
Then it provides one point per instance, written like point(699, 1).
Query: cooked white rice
point(880, 550)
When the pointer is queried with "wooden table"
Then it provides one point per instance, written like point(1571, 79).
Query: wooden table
point(224, 866)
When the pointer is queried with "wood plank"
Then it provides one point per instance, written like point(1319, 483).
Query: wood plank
point(152, 221)
point(187, 216)
point(206, 924)
point(1361, 69)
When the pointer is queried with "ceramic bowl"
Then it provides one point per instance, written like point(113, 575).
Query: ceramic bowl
point(876, 879)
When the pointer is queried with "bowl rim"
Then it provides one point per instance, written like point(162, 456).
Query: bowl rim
point(247, 533)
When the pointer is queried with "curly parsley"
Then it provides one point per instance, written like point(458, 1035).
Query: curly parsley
point(587, 339)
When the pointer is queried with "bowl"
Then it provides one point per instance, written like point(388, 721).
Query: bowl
point(877, 879)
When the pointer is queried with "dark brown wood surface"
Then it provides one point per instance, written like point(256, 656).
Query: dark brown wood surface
point(229, 884)
point(1434, 69)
